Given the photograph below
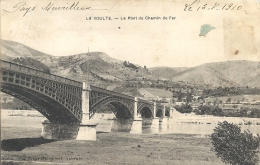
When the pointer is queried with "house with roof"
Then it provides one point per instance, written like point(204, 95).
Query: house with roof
point(155, 94)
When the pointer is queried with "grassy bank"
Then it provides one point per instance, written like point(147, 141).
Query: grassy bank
point(112, 148)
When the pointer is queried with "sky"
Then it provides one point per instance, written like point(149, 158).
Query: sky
point(175, 42)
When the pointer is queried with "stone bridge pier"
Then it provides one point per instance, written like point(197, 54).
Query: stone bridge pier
point(121, 125)
point(136, 127)
point(155, 120)
point(163, 120)
point(87, 129)
point(59, 131)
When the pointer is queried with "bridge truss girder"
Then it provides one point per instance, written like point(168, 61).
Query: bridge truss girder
point(120, 105)
point(59, 102)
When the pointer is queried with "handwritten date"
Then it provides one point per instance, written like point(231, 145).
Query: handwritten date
point(196, 6)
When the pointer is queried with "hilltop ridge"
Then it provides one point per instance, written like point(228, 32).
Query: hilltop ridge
point(106, 70)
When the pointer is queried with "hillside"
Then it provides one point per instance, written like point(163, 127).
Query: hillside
point(103, 69)
point(167, 72)
point(229, 73)
point(106, 70)
point(11, 49)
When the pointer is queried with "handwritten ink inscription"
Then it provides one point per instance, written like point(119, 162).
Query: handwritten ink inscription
point(51, 6)
point(74, 6)
point(22, 7)
point(196, 6)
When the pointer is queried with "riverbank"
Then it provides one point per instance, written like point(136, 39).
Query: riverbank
point(110, 148)
point(21, 144)
point(210, 119)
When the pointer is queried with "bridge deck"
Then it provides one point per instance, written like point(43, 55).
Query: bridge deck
point(36, 72)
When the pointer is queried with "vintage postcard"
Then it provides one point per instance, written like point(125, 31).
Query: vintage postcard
point(130, 81)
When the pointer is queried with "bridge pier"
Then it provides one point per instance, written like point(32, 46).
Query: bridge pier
point(136, 126)
point(59, 131)
point(87, 129)
point(87, 132)
point(163, 124)
point(151, 125)
point(163, 120)
point(155, 125)
point(121, 125)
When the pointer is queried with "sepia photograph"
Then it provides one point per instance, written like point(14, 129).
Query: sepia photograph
point(130, 82)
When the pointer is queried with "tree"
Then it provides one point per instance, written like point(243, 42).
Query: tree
point(189, 97)
point(184, 108)
point(228, 100)
point(217, 111)
point(205, 110)
point(180, 95)
point(235, 147)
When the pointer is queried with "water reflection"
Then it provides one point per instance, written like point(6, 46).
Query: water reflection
point(192, 128)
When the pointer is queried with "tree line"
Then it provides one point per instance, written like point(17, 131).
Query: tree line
point(217, 111)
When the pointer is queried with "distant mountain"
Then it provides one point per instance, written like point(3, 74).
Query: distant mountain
point(229, 73)
point(167, 72)
point(105, 70)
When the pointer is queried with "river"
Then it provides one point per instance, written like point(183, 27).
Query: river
point(179, 123)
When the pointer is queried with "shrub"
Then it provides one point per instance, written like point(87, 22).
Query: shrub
point(235, 147)
point(184, 108)
point(130, 65)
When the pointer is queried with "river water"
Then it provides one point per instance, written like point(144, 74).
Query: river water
point(179, 123)
point(203, 125)
point(191, 128)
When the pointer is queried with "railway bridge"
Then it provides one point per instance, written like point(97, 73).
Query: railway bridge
point(69, 105)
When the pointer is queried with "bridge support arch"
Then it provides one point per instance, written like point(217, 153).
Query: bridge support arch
point(150, 123)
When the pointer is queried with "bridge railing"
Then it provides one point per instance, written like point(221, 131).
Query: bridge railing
point(111, 92)
point(31, 71)
point(144, 100)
